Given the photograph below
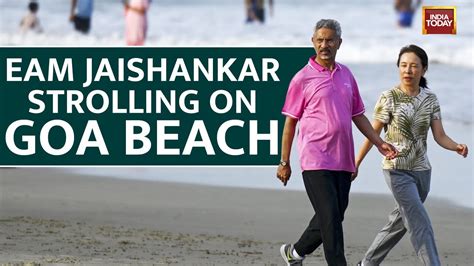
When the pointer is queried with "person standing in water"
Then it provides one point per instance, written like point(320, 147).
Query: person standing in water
point(81, 14)
point(406, 11)
point(136, 24)
point(255, 10)
point(30, 21)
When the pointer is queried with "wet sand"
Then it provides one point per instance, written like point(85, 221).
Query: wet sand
point(47, 216)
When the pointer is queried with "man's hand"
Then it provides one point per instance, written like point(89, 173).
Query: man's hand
point(387, 150)
point(284, 173)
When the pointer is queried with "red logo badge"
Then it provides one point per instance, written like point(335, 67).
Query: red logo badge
point(439, 20)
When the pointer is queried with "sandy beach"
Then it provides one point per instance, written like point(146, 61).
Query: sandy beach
point(50, 217)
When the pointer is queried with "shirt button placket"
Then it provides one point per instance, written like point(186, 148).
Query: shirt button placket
point(331, 74)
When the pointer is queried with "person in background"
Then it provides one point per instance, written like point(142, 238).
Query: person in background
point(81, 14)
point(255, 10)
point(405, 11)
point(407, 112)
point(323, 97)
point(30, 21)
point(136, 21)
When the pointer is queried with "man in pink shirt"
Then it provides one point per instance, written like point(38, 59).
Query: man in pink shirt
point(324, 98)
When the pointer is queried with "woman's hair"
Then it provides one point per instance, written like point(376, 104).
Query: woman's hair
point(423, 58)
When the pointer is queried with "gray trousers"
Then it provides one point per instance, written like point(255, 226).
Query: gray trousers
point(410, 189)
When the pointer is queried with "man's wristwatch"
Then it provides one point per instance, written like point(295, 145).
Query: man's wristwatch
point(284, 163)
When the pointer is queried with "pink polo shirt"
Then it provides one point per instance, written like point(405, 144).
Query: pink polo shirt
point(324, 102)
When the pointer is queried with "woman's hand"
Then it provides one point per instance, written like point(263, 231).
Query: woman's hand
point(354, 175)
point(462, 150)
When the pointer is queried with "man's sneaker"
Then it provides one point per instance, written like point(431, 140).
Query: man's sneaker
point(286, 252)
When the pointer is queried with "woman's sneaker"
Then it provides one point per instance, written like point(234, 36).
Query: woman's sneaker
point(286, 252)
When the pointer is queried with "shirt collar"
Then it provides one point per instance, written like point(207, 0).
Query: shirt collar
point(313, 64)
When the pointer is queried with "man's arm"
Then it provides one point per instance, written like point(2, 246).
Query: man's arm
point(365, 127)
point(284, 171)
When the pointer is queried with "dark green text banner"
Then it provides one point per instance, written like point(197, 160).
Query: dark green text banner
point(144, 106)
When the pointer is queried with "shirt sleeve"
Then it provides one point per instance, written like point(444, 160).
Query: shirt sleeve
point(382, 110)
point(294, 102)
point(436, 109)
point(358, 107)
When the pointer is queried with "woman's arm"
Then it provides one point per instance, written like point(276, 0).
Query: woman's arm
point(445, 141)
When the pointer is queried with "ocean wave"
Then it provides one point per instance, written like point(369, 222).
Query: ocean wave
point(354, 51)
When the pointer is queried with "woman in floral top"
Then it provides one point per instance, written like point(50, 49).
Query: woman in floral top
point(406, 112)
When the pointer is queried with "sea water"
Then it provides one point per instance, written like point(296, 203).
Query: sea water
point(452, 175)
point(369, 29)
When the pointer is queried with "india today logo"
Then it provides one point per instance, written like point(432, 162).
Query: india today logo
point(439, 20)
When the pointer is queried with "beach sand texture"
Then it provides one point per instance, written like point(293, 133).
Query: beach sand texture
point(51, 217)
